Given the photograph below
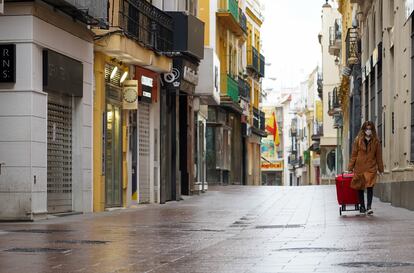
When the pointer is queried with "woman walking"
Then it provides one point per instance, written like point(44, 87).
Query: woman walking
point(366, 160)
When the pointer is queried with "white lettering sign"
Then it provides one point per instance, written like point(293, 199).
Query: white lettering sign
point(190, 75)
point(146, 81)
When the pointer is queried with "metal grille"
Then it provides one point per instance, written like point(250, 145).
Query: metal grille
point(59, 154)
point(144, 152)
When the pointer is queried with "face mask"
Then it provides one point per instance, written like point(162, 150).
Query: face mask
point(368, 132)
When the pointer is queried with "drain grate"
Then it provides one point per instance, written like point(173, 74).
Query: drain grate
point(279, 226)
point(40, 230)
point(85, 242)
point(313, 249)
point(375, 264)
point(39, 250)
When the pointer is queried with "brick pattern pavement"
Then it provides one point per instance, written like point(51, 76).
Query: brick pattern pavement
point(228, 229)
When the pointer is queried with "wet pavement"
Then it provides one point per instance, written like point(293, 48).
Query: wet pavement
point(228, 229)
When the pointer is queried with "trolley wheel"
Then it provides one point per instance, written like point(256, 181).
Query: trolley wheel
point(340, 211)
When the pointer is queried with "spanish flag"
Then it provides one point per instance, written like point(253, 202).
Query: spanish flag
point(271, 128)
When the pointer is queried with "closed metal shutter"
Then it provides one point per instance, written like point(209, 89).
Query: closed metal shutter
point(59, 154)
point(144, 152)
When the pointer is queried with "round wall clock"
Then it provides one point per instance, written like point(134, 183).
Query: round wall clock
point(130, 95)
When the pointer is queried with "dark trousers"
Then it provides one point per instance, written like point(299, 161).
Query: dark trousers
point(369, 197)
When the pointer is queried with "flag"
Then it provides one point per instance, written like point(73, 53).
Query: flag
point(271, 128)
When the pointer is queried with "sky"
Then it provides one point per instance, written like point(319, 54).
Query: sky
point(290, 42)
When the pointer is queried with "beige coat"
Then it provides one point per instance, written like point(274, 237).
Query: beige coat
point(366, 160)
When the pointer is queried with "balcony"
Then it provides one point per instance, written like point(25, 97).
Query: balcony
point(352, 47)
point(243, 21)
point(253, 60)
point(256, 118)
point(90, 12)
point(317, 132)
point(334, 103)
point(244, 89)
point(262, 66)
point(335, 37)
point(190, 39)
point(232, 88)
point(228, 15)
point(208, 88)
point(262, 120)
point(320, 86)
point(148, 25)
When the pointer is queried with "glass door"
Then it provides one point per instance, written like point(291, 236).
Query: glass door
point(113, 151)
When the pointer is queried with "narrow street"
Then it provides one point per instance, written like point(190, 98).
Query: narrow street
point(227, 229)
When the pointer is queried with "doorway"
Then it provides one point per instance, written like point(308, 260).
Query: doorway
point(113, 153)
point(59, 153)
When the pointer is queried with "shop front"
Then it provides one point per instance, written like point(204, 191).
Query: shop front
point(178, 121)
point(46, 105)
point(178, 124)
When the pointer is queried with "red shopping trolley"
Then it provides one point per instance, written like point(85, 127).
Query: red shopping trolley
point(346, 195)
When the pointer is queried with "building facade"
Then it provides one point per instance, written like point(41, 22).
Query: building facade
point(330, 40)
point(129, 61)
point(46, 95)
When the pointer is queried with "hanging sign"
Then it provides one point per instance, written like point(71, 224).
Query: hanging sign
point(147, 84)
point(7, 63)
point(130, 95)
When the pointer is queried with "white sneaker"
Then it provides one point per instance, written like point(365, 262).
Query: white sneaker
point(370, 212)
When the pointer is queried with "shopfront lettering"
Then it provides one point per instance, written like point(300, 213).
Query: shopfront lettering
point(62, 74)
point(190, 75)
point(7, 63)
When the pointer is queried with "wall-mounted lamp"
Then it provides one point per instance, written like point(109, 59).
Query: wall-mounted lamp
point(123, 77)
point(113, 73)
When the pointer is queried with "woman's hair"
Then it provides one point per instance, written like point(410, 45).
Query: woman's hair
point(364, 126)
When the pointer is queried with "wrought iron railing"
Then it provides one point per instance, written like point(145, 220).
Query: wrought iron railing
point(147, 24)
point(262, 66)
point(253, 59)
point(320, 85)
point(256, 118)
point(335, 32)
point(243, 20)
point(262, 120)
point(244, 89)
point(333, 101)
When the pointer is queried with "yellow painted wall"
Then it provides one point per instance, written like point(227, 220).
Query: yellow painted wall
point(98, 110)
point(204, 15)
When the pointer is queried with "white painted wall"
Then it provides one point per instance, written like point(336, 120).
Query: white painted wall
point(23, 120)
point(330, 73)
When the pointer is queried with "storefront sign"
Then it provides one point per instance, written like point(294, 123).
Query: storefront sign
point(190, 75)
point(184, 76)
point(130, 95)
point(272, 166)
point(147, 84)
point(62, 74)
point(7, 63)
